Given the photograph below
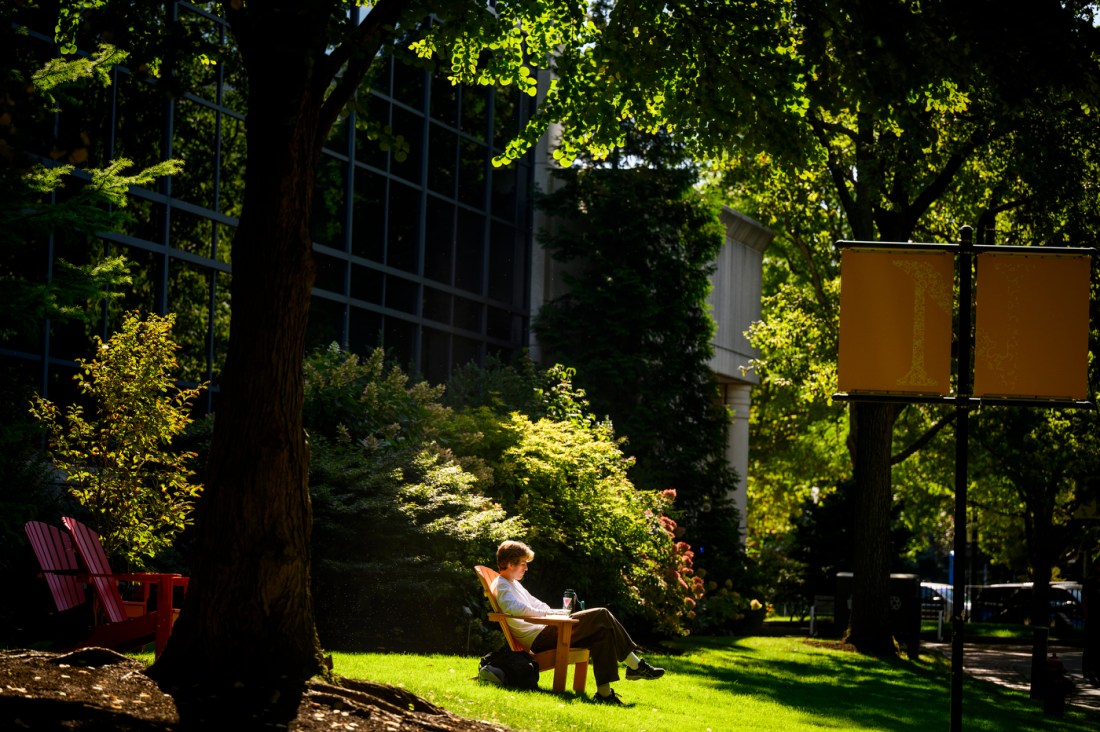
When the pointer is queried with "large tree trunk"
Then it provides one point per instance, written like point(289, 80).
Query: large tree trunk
point(1043, 546)
point(869, 623)
point(872, 426)
point(247, 629)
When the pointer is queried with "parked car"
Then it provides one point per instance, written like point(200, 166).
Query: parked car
point(935, 600)
point(1012, 603)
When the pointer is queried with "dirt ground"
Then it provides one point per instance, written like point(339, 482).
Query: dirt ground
point(95, 689)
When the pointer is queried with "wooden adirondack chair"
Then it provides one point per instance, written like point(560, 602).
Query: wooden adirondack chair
point(558, 658)
point(127, 624)
point(57, 561)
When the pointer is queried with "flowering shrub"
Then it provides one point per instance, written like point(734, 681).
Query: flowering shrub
point(564, 472)
point(663, 579)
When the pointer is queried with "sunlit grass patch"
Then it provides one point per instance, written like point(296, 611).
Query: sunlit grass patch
point(763, 683)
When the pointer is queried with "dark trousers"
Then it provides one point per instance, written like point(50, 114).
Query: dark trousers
point(602, 634)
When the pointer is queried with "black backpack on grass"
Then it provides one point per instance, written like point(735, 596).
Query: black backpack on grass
point(519, 668)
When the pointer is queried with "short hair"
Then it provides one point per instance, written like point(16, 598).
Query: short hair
point(513, 552)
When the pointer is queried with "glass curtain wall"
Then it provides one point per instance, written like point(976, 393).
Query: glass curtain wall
point(425, 254)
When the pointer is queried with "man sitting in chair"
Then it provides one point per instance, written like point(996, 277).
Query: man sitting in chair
point(597, 629)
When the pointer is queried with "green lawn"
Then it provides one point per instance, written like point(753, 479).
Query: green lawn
point(758, 683)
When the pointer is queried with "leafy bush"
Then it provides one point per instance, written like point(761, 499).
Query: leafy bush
point(398, 522)
point(118, 463)
point(567, 475)
point(725, 611)
point(409, 494)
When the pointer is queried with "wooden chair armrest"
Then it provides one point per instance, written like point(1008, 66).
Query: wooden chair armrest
point(536, 619)
point(552, 620)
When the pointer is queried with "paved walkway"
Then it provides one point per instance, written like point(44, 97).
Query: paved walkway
point(1010, 665)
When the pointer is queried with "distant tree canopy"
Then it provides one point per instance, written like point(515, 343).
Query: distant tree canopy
point(918, 117)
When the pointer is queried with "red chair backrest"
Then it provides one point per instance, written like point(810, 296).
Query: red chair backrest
point(95, 559)
point(56, 559)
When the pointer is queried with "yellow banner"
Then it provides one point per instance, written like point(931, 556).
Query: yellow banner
point(895, 321)
point(1032, 327)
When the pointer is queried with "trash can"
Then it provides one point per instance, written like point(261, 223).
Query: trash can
point(904, 608)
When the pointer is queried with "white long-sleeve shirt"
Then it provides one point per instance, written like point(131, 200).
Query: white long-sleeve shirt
point(514, 599)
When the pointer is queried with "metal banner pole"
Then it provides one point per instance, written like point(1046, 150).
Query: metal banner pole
point(962, 429)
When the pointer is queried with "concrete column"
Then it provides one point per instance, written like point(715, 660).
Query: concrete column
point(738, 399)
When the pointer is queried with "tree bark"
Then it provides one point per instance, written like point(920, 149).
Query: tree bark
point(247, 628)
point(869, 623)
point(1043, 545)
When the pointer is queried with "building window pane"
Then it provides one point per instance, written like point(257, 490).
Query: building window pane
point(435, 356)
point(410, 126)
point(139, 123)
point(504, 274)
point(475, 106)
point(470, 246)
point(369, 216)
point(326, 323)
point(408, 84)
point(442, 149)
point(499, 324)
point(195, 141)
point(364, 331)
point(471, 173)
point(444, 99)
point(331, 273)
point(329, 201)
point(402, 294)
point(465, 350)
point(504, 192)
point(366, 284)
point(437, 305)
point(439, 241)
point(403, 240)
point(505, 117)
point(368, 148)
point(400, 341)
point(467, 314)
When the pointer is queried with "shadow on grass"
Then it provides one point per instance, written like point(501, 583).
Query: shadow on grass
point(844, 689)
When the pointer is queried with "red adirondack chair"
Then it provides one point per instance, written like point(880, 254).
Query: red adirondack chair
point(57, 560)
point(127, 624)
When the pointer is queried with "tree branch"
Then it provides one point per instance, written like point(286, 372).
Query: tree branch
point(934, 190)
point(813, 270)
point(924, 439)
point(355, 56)
point(820, 129)
point(241, 24)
